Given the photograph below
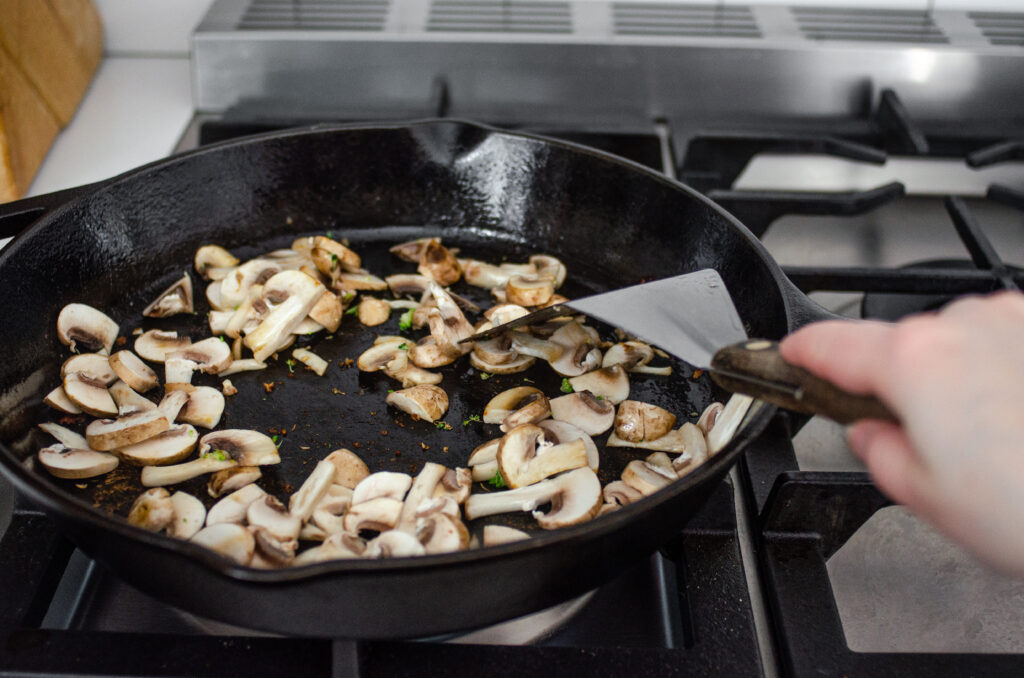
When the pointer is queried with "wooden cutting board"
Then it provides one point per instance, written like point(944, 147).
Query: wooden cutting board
point(49, 51)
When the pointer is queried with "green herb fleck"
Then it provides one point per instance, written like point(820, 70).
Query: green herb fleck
point(443, 425)
point(497, 480)
point(330, 234)
point(352, 311)
point(405, 322)
point(600, 397)
point(403, 346)
point(391, 390)
point(472, 417)
point(527, 380)
point(221, 337)
point(334, 261)
point(329, 336)
point(291, 365)
point(485, 376)
point(219, 455)
point(277, 440)
point(566, 387)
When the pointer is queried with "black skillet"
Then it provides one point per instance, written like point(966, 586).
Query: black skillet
point(116, 244)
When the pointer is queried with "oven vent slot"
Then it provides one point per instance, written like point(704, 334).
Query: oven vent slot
point(699, 21)
point(499, 16)
point(868, 25)
point(327, 15)
point(1001, 28)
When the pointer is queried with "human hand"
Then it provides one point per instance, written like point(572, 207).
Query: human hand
point(955, 379)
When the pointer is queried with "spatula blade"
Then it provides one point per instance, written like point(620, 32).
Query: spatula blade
point(690, 316)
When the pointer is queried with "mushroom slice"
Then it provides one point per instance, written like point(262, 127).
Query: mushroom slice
point(399, 368)
point(360, 281)
point(310, 360)
point(695, 448)
point(525, 457)
point(343, 256)
point(305, 500)
point(174, 300)
point(373, 312)
point(152, 510)
point(620, 493)
point(243, 365)
point(611, 383)
point(58, 400)
point(727, 422)
point(439, 264)
point(381, 484)
point(189, 516)
point(441, 534)
point(210, 355)
point(393, 544)
point(234, 288)
point(169, 447)
point(550, 267)
point(204, 407)
point(247, 315)
point(637, 422)
point(178, 373)
point(271, 552)
point(213, 296)
point(527, 344)
point(581, 409)
point(172, 403)
point(482, 274)
point(128, 401)
point(234, 507)
point(89, 395)
point(379, 355)
point(154, 476)
point(83, 327)
point(156, 344)
point(93, 365)
point(673, 441)
point(227, 388)
point(496, 351)
point(529, 290)
point(661, 460)
point(329, 513)
point(327, 311)
point(402, 284)
point(442, 504)
point(247, 448)
point(534, 411)
point(213, 256)
point(558, 432)
point(646, 478)
point(520, 364)
point(574, 497)
point(231, 479)
point(294, 293)
point(229, 540)
point(271, 515)
point(307, 326)
point(428, 353)
point(505, 403)
point(709, 416)
point(421, 490)
point(483, 461)
point(579, 355)
point(377, 514)
point(131, 370)
point(447, 323)
point(349, 469)
point(65, 436)
point(425, 401)
point(455, 484)
point(77, 462)
point(111, 434)
point(504, 313)
point(634, 356)
point(413, 250)
point(496, 535)
point(336, 546)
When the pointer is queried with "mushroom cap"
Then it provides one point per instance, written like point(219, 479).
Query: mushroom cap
point(441, 534)
point(204, 407)
point(636, 421)
point(379, 514)
point(130, 369)
point(380, 354)
point(381, 484)
point(483, 274)
point(495, 535)
point(248, 448)
point(728, 422)
point(507, 402)
point(611, 383)
point(76, 463)
point(525, 458)
point(152, 510)
point(82, 326)
point(484, 452)
point(96, 366)
point(154, 345)
point(89, 395)
point(581, 409)
point(174, 300)
point(455, 484)
point(427, 353)
point(425, 401)
point(579, 355)
point(230, 479)
point(235, 287)
point(393, 544)
point(270, 514)
point(213, 256)
point(210, 355)
point(496, 351)
point(373, 312)
point(439, 264)
point(349, 469)
point(58, 400)
point(646, 478)
point(327, 311)
point(550, 267)
point(172, 402)
point(169, 447)
point(529, 290)
point(578, 499)
point(189, 516)
point(234, 507)
point(110, 434)
point(229, 540)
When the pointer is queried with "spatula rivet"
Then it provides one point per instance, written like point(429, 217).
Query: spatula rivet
point(758, 345)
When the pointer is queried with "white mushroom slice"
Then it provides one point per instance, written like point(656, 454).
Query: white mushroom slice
point(611, 383)
point(482, 274)
point(247, 315)
point(234, 507)
point(638, 422)
point(580, 355)
point(310, 360)
point(422, 489)
point(58, 400)
point(696, 449)
point(507, 402)
point(440, 534)
point(661, 460)
point(213, 295)
point(373, 312)
point(401, 369)
point(75, 463)
point(231, 479)
point(683, 464)
point(111, 434)
point(519, 364)
point(425, 401)
point(83, 327)
point(312, 532)
point(504, 313)
point(646, 478)
point(558, 432)
point(172, 403)
point(229, 540)
point(96, 366)
point(307, 326)
point(591, 415)
point(327, 311)
point(483, 461)
point(620, 493)
point(155, 476)
point(65, 436)
point(439, 264)
point(673, 441)
point(349, 469)
point(156, 344)
point(213, 256)
point(412, 250)
point(447, 323)
point(381, 484)
point(393, 544)
point(496, 351)
point(574, 497)
point(377, 514)
point(247, 448)
point(524, 457)
point(527, 344)
point(175, 299)
point(312, 491)
point(529, 290)
point(444, 505)
point(210, 355)
point(189, 516)
point(360, 281)
point(293, 294)
point(336, 546)
point(455, 484)
point(271, 552)
point(178, 371)
point(484, 471)
point(152, 510)
point(727, 423)
point(530, 413)
point(132, 371)
point(329, 513)
point(402, 284)
point(709, 416)
point(204, 407)
point(428, 353)
point(243, 365)
point(496, 535)
point(89, 395)
point(235, 287)
point(380, 354)
point(271, 515)
point(169, 447)
point(549, 266)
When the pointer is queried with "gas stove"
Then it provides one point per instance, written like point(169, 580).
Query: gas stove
point(873, 152)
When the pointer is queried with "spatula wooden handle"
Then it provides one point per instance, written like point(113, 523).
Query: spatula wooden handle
point(755, 367)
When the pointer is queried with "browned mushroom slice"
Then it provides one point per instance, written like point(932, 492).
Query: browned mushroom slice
point(495, 535)
point(584, 411)
point(231, 479)
point(426, 401)
point(673, 441)
point(558, 432)
point(292, 294)
point(327, 311)
point(695, 448)
point(247, 315)
point(155, 476)
point(646, 478)
point(111, 434)
point(96, 366)
point(550, 267)
point(58, 400)
point(156, 344)
point(495, 351)
point(579, 355)
point(636, 421)
point(152, 510)
point(243, 365)
point(403, 284)
point(401, 369)
point(89, 395)
point(213, 256)
point(610, 383)
point(76, 463)
point(132, 371)
point(413, 250)
point(229, 540)
point(441, 534)
point(373, 312)
point(247, 448)
point(377, 514)
point(381, 484)
point(574, 497)
point(427, 353)
point(633, 356)
point(524, 457)
point(529, 290)
point(174, 300)
point(85, 329)
point(347, 259)
point(482, 274)
point(349, 469)
point(393, 544)
point(438, 264)
point(189, 516)
point(507, 402)
point(527, 344)
point(380, 354)
point(311, 360)
point(271, 552)
point(530, 413)
point(209, 355)
point(169, 447)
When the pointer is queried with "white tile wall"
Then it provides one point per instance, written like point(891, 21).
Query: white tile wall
point(150, 27)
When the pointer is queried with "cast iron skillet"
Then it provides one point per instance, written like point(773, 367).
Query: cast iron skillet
point(116, 244)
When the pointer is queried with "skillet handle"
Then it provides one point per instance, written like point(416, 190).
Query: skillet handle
point(17, 216)
point(755, 367)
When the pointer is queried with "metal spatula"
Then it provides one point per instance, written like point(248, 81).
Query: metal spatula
point(693, 317)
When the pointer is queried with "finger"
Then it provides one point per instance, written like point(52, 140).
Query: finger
point(894, 464)
point(845, 352)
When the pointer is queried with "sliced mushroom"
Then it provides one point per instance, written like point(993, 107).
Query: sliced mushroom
point(495, 351)
point(403, 284)
point(558, 432)
point(426, 401)
point(83, 327)
point(312, 491)
point(174, 300)
point(646, 478)
point(271, 515)
point(447, 323)
point(234, 288)
point(172, 403)
point(74, 463)
point(727, 423)
point(413, 250)
point(482, 274)
point(234, 507)
point(243, 365)
point(504, 313)
point(294, 293)
point(154, 476)
point(373, 312)
point(152, 510)
point(584, 411)
point(532, 412)
point(349, 469)
point(611, 383)
point(96, 366)
point(189, 516)
point(618, 492)
point(633, 356)
point(378, 514)
point(495, 535)
point(89, 395)
point(204, 407)
point(483, 461)
point(524, 457)
point(65, 436)
point(574, 497)
point(359, 281)
point(178, 373)
point(310, 360)
point(58, 400)
point(550, 267)
point(247, 315)
point(637, 422)
point(229, 540)
point(393, 544)
point(519, 364)
point(428, 353)
point(529, 290)
point(673, 441)
point(210, 355)
point(327, 311)
point(379, 355)
point(156, 344)
point(441, 534)
point(271, 552)
point(213, 256)
point(381, 484)
point(336, 546)
point(579, 355)
point(231, 479)
point(329, 513)
point(132, 371)
point(455, 484)
point(527, 344)
point(111, 434)
point(169, 447)
point(709, 416)
point(247, 448)
point(401, 369)
point(227, 388)
point(505, 403)
point(422, 489)
point(439, 264)
point(213, 295)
